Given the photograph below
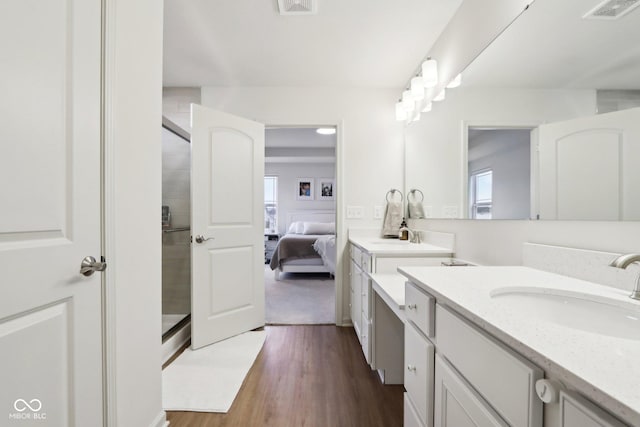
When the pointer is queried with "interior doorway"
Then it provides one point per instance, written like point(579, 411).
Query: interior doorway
point(499, 172)
point(300, 224)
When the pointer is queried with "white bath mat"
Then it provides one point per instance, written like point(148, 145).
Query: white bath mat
point(208, 379)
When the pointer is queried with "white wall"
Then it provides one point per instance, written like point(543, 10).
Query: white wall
point(436, 152)
point(176, 104)
point(500, 242)
point(133, 198)
point(372, 141)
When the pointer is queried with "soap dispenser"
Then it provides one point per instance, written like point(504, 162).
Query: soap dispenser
point(403, 234)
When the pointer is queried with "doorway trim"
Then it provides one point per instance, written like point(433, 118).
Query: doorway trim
point(464, 152)
point(340, 231)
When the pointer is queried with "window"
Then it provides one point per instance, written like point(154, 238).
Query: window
point(271, 204)
point(480, 194)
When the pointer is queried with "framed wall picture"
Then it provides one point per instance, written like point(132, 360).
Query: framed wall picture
point(326, 189)
point(304, 188)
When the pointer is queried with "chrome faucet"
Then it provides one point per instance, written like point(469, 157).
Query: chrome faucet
point(623, 261)
point(414, 236)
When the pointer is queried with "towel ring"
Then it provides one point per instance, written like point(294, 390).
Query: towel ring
point(413, 192)
point(392, 192)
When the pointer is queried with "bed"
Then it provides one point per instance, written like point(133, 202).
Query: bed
point(308, 246)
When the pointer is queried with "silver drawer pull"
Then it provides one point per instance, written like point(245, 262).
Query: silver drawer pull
point(412, 306)
point(411, 368)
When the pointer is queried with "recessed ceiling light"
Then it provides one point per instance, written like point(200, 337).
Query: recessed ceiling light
point(326, 131)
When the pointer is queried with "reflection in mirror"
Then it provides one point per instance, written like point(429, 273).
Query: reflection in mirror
point(574, 81)
point(499, 173)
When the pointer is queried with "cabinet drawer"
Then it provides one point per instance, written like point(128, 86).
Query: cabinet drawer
point(390, 264)
point(418, 374)
point(411, 418)
point(366, 294)
point(365, 262)
point(419, 308)
point(356, 255)
point(501, 376)
point(578, 412)
point(365, 340)
point(457, 404)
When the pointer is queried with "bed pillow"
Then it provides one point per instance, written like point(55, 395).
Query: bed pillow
point(319, 228)
point(296, 227)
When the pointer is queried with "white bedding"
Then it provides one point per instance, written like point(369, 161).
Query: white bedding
point(326, 246)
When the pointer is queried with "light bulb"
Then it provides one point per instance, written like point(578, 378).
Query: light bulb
point(417, 88)
point(430, 72)
point(408, 101)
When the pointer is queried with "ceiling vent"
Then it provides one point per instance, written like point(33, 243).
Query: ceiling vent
point(299, 7)
point(612, 9)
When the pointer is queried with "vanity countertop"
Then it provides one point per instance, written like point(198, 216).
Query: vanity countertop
point(390, 287)
point(395, 247)
point(603, 367)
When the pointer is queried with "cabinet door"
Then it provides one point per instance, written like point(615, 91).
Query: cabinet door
point(578, 412)
point(418, 374)
point(411, 418)
point(457, 404)
point(356, 298)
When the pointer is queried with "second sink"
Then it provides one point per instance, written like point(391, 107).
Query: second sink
point(591, 313)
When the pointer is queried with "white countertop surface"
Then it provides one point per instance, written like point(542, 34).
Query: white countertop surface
point(395, 247)
point(604, 368)
point(390, 287)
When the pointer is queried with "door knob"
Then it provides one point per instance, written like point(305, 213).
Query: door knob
point(201, 239)
point(89, 265)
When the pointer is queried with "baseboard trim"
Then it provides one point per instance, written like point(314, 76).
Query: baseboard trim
point(176, 342)
point(160, 420)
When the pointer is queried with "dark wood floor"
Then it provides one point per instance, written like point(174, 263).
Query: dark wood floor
point(313, 376)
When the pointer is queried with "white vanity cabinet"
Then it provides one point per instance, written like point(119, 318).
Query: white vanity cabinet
point(379, 330)
point(360, 288)
point(503, 380)
point(457, 403)
point(419, 356)
point(458, 375)
point(578, 412)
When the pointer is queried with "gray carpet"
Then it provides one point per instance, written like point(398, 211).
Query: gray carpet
point(299, 298)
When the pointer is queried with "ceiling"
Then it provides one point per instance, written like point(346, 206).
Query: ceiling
point(551, 46)
point(349, 43)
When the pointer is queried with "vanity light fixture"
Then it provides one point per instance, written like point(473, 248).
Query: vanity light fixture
point(401, 113)
point(407, 101)
point(430, 72)
point(326, 131)
point(440, 96)
point(457, 80)
point(417, 88)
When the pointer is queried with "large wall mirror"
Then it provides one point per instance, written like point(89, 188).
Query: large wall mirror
point(546, 124)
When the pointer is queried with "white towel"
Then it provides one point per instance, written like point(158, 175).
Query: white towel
point(416, 210)
point(392, 219)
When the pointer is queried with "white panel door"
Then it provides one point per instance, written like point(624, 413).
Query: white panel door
point(50, 314)
point(227, 223)
point(587, 167)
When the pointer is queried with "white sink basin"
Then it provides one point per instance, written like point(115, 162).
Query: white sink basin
point(591, 313)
